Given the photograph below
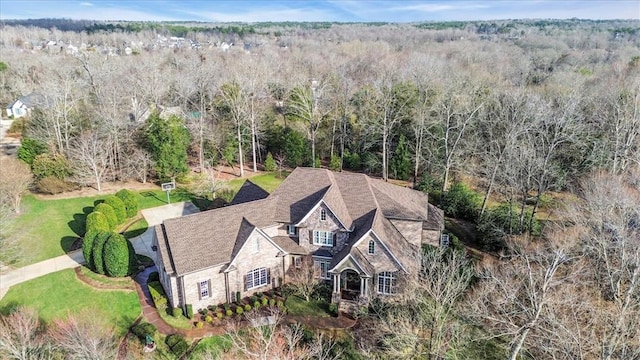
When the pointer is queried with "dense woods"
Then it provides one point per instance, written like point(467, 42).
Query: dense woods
point(513, 110)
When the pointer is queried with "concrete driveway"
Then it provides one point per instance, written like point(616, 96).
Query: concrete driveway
point(155, 216)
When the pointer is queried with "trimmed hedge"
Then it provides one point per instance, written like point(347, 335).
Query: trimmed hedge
point(118, 206)
point(116, 256)
point(130, 202)
point(109, 213)
point(87, 246)
point(157, 294)
point(97, 251)
point(189, 311)
point(97, 221)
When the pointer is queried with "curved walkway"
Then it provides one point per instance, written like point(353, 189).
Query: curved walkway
point(141, 244)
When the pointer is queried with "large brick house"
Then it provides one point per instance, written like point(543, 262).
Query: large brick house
point(362, 233)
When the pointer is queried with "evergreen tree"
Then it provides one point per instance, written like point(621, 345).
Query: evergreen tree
point(401, 160)
point(167, 141)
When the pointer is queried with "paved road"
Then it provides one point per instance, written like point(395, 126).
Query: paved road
point(141, 244)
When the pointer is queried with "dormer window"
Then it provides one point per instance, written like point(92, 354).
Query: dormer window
point(372, 247)
point(323, 215)
point(291, 230)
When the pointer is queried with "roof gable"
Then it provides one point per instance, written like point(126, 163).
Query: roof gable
point(248, 192)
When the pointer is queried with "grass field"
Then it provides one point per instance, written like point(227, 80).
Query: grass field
point(214, 345)
point(59, 294)
point(268, 181)
point(299, 307)
point(48, 228)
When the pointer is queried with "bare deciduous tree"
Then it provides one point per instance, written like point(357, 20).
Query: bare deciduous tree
point(90, 157)
point(22, 337)
point(512, 298)
point(15, 179)
point(84, 337)
point(304, 277)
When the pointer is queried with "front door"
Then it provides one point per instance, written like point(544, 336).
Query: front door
point(350, 281)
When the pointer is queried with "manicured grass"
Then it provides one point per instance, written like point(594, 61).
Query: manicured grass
point(214, 345)
point(267, 181)
point(297, 306)
point(136, 229)
point(49, 227)
point(59, 294)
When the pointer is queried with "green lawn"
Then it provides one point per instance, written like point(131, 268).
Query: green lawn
point(268, 181)
point(56, 295)
point(50, 227)
point(213, 345)
point(297, 306)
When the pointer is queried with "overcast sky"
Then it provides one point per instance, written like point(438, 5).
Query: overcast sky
point(336, 10)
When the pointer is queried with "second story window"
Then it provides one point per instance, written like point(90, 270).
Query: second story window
point(291, 230)
point(323, 215)
point(324, 238)
point(372, 247)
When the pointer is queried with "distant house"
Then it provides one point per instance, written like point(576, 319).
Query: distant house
point(24, 105)
point(364, 235)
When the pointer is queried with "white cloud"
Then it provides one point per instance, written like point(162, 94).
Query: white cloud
point(86, 4)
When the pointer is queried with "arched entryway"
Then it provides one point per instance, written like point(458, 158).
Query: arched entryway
point(350, 281)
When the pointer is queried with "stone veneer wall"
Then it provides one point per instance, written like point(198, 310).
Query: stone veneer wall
point(331, 224)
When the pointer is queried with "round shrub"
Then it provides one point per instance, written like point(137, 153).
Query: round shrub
point(129, 200)
point(154, 276)
point(269, 163)
point(30, 148)
point(239, 310)
point(461, 202)
point(97, 251)
point(199, 325)
point(87, 246)
point(229, 313)
point(280, 304)
point(256, 305)
point(118, 206)
point(52, 185)
point(116, 256)
point(272, 302)
point(247, 307)
point(265, 301)
point(45, 165)
point(208, 318)
point(176, 312)
point(219, 315)
point(108, 213)
point(97, 221)
point(143, 329)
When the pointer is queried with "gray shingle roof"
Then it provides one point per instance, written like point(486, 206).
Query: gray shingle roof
point(249, 192)
point(212, 237)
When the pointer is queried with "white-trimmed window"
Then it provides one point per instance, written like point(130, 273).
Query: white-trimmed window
point(324, 266)
point(291, 230)
point(204, 289)
point(386, 282)
point(323, 215)
point(324, 238)
point(372, 247)
point(297, 262)
point(256, 278)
